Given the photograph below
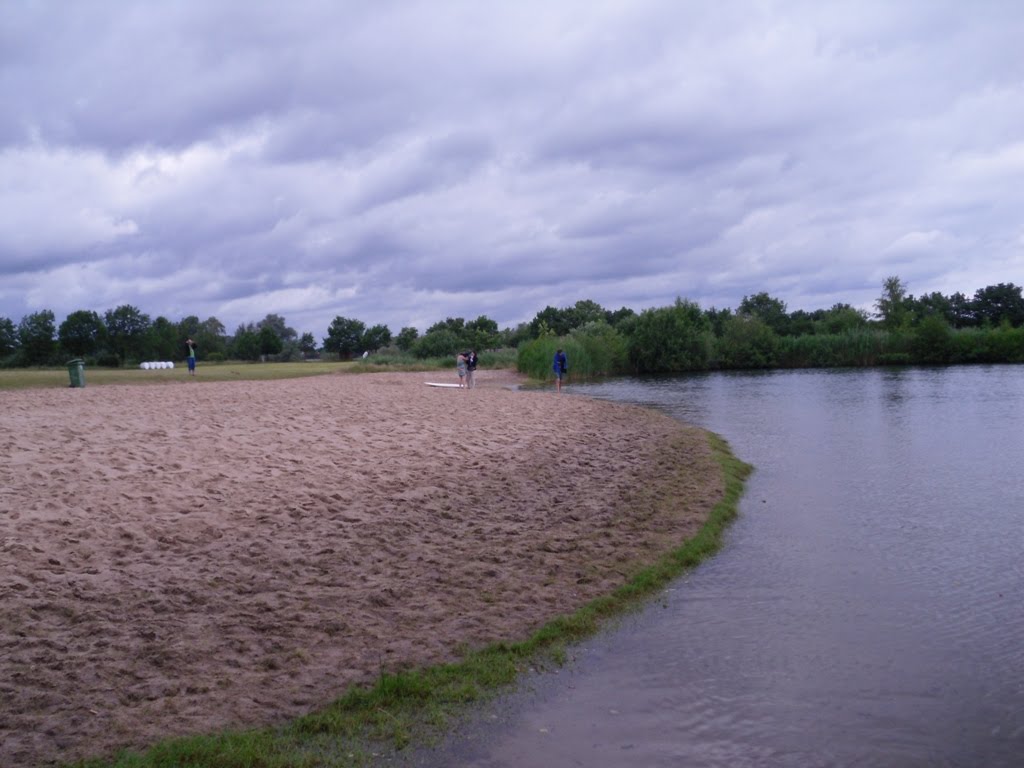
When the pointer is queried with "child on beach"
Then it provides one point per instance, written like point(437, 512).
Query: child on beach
point(460, 365)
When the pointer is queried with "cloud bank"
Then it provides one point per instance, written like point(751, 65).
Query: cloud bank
point(403, 162)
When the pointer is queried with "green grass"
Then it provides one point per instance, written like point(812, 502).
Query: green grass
point(29, 378)
point(415, 706)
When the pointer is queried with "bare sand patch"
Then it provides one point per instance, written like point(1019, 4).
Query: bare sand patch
point(190, 557)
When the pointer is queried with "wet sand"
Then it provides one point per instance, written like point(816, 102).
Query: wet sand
point(196, 556)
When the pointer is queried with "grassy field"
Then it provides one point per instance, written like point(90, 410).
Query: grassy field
point(28, 378)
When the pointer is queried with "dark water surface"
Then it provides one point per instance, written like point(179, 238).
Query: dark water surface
point(866, 609)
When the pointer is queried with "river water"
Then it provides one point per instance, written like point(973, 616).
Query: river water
point(866, 609)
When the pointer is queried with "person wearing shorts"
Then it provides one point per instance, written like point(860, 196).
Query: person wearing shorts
point(460, 366)
point(191, 347)
point(560, 366)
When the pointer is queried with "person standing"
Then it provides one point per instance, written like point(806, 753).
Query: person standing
point(561, 367)
point(460, 366)
point(471, 368)
point(190, 347)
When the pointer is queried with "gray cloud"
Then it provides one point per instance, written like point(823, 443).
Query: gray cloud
point(405, 162)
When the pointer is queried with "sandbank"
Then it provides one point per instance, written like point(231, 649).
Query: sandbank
point(198, 556)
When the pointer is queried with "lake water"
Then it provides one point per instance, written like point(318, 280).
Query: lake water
point(866, 609)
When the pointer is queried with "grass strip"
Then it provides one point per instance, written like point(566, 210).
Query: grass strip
point(405, 707)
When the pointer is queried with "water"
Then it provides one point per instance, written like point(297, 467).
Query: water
point(865, 611)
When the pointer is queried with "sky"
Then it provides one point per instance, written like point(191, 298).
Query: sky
point(405, 162)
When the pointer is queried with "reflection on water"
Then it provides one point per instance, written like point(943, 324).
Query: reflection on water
point(866, 609)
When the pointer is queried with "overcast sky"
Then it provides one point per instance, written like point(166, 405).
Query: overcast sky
point(404, 162)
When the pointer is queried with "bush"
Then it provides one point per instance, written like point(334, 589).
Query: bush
point(932, 342)
point(747, 342)
point(671, 339)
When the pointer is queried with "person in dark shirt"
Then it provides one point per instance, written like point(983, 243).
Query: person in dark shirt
point(561, 367)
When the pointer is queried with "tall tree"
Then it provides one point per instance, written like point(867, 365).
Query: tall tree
point(277, 323)
point(162, 341)
point(270, 342)
point(211, 336)
point(307, 345)
point(345, 336)
point(81, 333)
point(892, 304)
point(995, 304)
point(245, 345)
point(585, 311)
point(375, 338)
point(8, 337)
point(36, 336)
point(551, 320)
point(841, 318)
point(961, 312)
point(768, 309)
point(406, 338)
point(482, 333)
point(126, 329)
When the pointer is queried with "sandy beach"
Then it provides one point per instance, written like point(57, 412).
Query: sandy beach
point(184, 558)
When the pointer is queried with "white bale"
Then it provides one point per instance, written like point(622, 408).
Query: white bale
point(170, 363)
point(143, 365)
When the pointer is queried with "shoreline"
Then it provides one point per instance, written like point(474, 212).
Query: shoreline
point(238, 554)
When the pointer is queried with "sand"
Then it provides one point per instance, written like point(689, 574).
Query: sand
point(184, 558)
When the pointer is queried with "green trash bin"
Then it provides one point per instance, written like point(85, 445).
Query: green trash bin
point(76, 370)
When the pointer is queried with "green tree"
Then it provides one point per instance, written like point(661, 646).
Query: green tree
point(932, 304)
point(81, 333)
point(717, 319)
point(245, 345)
point(841, 318)
point(747, 342)
point(406, 338)
point(932, 341)
point(552, 321)
point(278, 325)
point(126, 329)
point(585, 311)
point(771, 311)
point(961, 312)
point(307, 345)
point(162, 341)
point(481, 333)
point(513, 337)
point(892, 304)
point(376, 337)
point(36, 337)
point(345, 336)
point(1000, 303)
point(210, 336)
point(668, 339)
point(8, 337)
point(440, 343)
point(616, 317)
point(269, 342)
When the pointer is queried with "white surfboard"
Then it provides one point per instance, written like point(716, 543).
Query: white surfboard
point(437, 384)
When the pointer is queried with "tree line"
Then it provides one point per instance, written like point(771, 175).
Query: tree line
point(759, 333)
